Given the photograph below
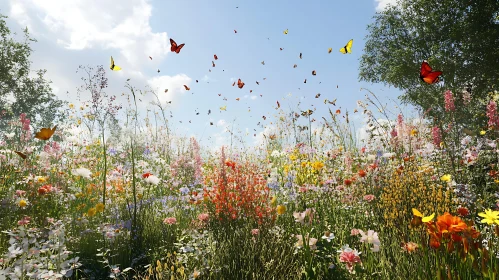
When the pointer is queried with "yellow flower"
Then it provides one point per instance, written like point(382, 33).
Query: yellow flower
point(304, 164)
point(318, 165)
point(446, 178)
point(292, 157)
point(41, 179)
point(483, 132)
point(71, 105)
point(414, 132)
point(22, 203)
point(489, 217)
point(91, 212)
point(99, 207)
point(281, 209)
point(274, 200)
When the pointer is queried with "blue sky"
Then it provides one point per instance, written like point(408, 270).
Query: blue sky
point(88, 32)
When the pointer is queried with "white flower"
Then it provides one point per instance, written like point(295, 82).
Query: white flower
point(151, 179)
point(10, 135)
point(83, 172)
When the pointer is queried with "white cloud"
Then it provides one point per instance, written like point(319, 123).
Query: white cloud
point(221, 122)
point(174, 84)
point(253, 97)
point(382, 4)
point(95, 24)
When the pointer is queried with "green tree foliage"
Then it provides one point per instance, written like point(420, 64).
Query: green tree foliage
point(21, 92)
point(458, 37)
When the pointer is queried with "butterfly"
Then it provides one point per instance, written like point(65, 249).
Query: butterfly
point(213, 63)
point(23, 156)
point(219, 94)
point(272, 136)
point(45, 133)
point(223, 108)
point(264, 117)
point(314, 73)
point(235, 31)
point(278, 105)
point(330, 102)
point(317, 95)
point(263, 62)
point(285, 32)
point(215, 56)
point(257, 83)
point(347, 48)
point(187, 88)
point(114, 67)
point(211, 123)
point(150, 57)
point(197, 81)
point(209, 112)
point(238, 99)
point(338, 111)
point(428, 75)
point(329, 50)
point(294, 66)
point(240, 83)
point(174, 47)
point(424, 219)
point(302, 128)
point(281, 49)
point(158, 71)
point(305, 81)
point(166, 90)
point(307, 113)
point(300, 55)
point(234, 83)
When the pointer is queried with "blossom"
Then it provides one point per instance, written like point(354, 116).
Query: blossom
point(354, 231)
point(311, 242)
point(24, 221)
point(255, 231)
point(300, 216)
point(370, 238)
point(91, 212)
point(489, 217)
point(437, 137)
point(446, 178)
point(203, 217)
point(281, 209)
point(328, 236)
point(99, 207)
point(369, 197)
point(349, 257)
point(452, 224)
point(449, 101)
point(409, 247)
point(151, 179)
point(170, 221)
point(22, 202)
point(83, 172)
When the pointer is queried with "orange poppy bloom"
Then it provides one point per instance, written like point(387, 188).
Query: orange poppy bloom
point(450, 224)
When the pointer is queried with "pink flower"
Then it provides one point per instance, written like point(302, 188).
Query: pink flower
point(255, 231)
point(354, 231)
point(492, 114)
point(349, 257)
point(369, 197)
point(203, 217)
point(170, 221)
point(437, 137)
point(20, 193)
point(466, 97)
point(449, 101)
point(24, 221)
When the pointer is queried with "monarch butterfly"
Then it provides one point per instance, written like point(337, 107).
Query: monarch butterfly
point(187, 88)
point(114, 67)
point(427, 74)
point(45, 133)
point(174, 47)
point(347, 48)
point(240, 83)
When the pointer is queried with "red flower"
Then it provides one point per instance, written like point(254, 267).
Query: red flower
point(463, 211)
point(146, 175)
point(362, 173)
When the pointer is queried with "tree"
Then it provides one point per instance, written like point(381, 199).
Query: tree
point(20, 92)
point(458, 37)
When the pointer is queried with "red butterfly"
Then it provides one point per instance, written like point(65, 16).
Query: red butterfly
point(240, 83)
point(215, 56)
point(427, 74)
point(174, 47)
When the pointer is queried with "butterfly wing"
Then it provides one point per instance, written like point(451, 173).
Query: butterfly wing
point(45, 133)
point(427, 74)
point(347, 48)
point(23, 156)
point(113, 66)
point(173, 44)
point(329, 50)
point(187, 88)
point(179, 48)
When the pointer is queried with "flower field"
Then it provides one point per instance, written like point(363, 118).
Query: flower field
point(410, 201)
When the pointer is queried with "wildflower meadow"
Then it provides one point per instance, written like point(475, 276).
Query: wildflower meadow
point(104, 186)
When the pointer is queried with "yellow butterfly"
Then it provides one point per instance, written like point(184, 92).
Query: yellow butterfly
point(424, 219)
point(223, 108)
point(286, 31)
point(329, 50)
point(114, 67)
point(347, 48)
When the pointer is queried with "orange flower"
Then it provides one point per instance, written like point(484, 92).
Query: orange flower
point(450, 224)
point(362, 173)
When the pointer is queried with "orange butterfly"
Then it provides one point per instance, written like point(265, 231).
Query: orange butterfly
point(237, 99)
point(174, 47)
point(45, 133)
point(272, 137)
point(240, 84)
point(215, 56)
point(187, 88)
point(427, 74)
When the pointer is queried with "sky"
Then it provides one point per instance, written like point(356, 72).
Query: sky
point(87, 32)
